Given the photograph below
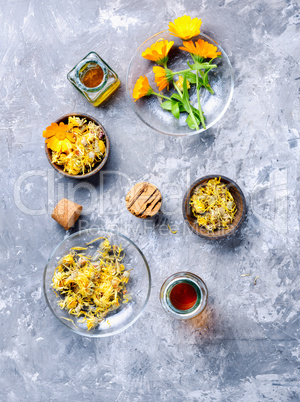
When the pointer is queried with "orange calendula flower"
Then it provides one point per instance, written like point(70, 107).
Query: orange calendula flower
point(202, 49)
point(158, 52)
point(58, 137)
point(185, 27)
point(162, 77)
point(141, 88)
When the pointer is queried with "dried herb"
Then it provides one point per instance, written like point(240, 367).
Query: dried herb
point(92, 286)
point(213, 205)
point(77, 146)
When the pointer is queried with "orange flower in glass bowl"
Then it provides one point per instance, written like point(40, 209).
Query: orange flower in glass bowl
point(194, 98)
point(201, 49)
point(185, 27)
point(158, 52)
point(142, 88)
point(162, 77)
point(76, 145)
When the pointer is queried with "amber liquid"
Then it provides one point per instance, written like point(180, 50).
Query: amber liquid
point(92, 76)
point(183, 296)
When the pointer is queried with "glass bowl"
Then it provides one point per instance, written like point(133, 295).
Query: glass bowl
point(148, 108)
point(138, 286)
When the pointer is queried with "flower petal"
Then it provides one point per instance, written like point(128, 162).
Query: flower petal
point(185, 28)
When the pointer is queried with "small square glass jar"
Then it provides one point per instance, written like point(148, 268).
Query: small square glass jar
point(94, 79)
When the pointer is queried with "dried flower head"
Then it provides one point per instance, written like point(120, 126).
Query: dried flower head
point(158, 52)
point(162, 77)
point(59, 139)
point(141, 88)
point(185, 27)
point(201, 49)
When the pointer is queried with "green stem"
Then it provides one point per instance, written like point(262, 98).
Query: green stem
point(182, 71)
point(199, 104)
point(160, 95)
point(177, 89)
point(190, 111)
point(199, 67)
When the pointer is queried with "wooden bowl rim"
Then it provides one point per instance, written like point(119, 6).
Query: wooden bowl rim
point(187, 196)
point(98, 167)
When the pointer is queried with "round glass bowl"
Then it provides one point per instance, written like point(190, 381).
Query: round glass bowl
point(239, 217)
point(148, 108)
point(98, 166)
point(138, 286)
point(185, 280)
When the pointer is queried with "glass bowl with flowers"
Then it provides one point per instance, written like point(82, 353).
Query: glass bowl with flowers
point(76, 145)
point(180, 81)
point(97, 282)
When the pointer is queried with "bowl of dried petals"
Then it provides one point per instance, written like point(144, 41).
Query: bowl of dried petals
point(76, 145)
point(97, 282)
point(180, 81)
point(214, 207)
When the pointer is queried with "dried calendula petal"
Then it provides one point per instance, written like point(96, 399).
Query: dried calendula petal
point(101, 146)
point(172, 231)
point(213, 205)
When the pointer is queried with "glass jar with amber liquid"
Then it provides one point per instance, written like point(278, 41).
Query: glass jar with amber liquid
point(94, 79)
point(184, 295)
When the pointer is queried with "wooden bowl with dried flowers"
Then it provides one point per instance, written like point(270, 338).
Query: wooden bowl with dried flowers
point(214, 207)
point(76, 145)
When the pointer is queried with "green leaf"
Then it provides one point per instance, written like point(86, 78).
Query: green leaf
point(190, 122)
point(197, 113)
point(202, 66)
point(175, 110)
point(185, 98)
point(209, 88)
point(167, 105)
point(176, 96)
point(191, 77)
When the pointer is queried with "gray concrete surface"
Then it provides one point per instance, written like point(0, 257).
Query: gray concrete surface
point(246, 348)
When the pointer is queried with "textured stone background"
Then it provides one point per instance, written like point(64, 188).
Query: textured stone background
point(247, 346)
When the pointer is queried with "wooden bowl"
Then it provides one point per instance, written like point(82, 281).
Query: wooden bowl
point(191, 220)
point(98, 166)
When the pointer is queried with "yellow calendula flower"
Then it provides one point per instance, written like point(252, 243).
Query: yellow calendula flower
point(162, 77)
point(142, 88)
point(179, 83)
point(185, 27)
point(59, 139)
point(201, 49)
point(158, 52)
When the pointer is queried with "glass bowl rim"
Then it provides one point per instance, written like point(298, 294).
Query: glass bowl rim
point(189, 133)
point(78, 234)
